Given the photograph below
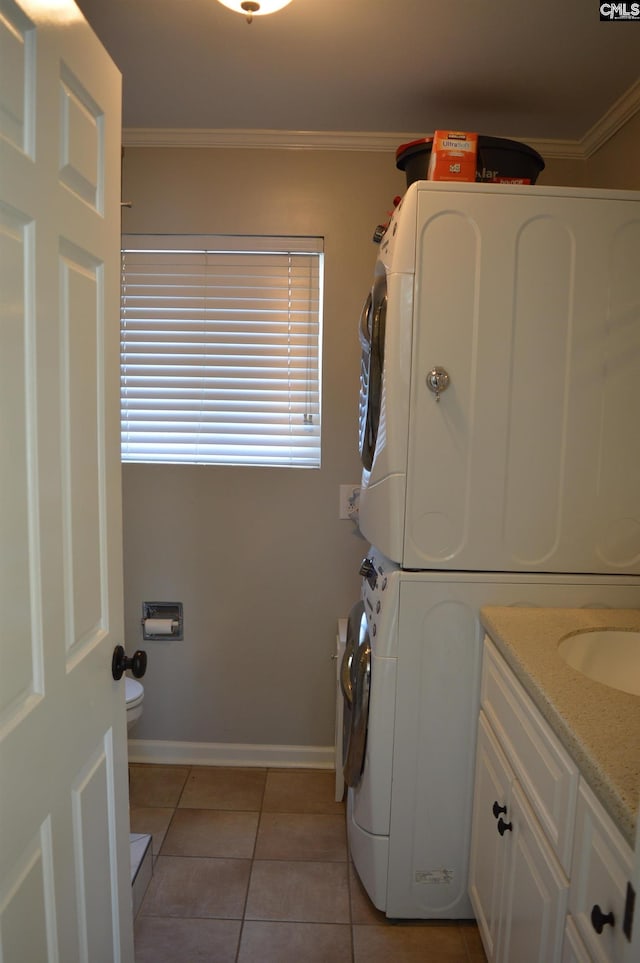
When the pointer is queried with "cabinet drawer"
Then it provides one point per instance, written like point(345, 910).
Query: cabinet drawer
point(540, 763)
point(602, 865)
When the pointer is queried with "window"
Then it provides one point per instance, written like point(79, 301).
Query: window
point(220, 350)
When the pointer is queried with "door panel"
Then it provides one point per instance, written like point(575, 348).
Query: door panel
point(487, 863)
point(82, 141)
point(93, 832)
point(540, 335)
point(65, 892)
point(84, 505)
point(618, 466)
point(536, 892)
point(20, 679)
point(528, 462)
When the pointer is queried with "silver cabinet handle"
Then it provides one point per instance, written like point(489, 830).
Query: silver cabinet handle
point(438, 381)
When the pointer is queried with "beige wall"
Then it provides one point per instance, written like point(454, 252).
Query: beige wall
point(259, 558)
point(617, 163)
point(562, 173)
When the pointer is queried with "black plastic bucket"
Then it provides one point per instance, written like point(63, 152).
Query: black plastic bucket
point(498, 159)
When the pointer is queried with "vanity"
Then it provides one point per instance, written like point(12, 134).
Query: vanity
point(557, 788)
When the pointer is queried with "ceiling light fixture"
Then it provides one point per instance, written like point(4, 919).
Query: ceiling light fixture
point(257, 7)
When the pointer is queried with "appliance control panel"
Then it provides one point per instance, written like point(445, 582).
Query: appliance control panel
point(380, 589)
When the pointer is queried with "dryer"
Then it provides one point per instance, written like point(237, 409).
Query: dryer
point(499, 383)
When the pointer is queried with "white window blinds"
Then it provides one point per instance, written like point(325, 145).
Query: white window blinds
point(221, 350)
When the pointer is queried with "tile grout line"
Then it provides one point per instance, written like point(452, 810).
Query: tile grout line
point(253, 856)
point(261, 811)
point(469, 953)
point(349, 892)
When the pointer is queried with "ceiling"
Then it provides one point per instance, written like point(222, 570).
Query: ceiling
point(536, 69)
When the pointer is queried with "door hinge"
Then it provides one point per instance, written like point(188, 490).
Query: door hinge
point(629, 907)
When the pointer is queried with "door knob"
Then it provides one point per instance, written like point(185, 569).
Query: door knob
point(438, 381)
point(497, 809)
point(599, 919)
point(504, 827)
point(120, 663)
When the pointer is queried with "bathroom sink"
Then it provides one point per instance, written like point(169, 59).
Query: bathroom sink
point(610, 656)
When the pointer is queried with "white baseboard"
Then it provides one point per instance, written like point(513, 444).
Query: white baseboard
point(231, 754)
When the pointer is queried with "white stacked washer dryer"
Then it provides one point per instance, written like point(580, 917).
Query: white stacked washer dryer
point(500, 394)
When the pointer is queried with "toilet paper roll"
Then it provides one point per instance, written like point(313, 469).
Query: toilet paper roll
point(158, 626)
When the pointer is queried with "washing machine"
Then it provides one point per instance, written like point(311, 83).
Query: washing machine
point(410, 676)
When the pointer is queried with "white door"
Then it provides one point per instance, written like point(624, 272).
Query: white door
point(65, 891)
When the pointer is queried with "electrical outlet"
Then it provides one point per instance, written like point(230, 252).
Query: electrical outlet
point(349, 496)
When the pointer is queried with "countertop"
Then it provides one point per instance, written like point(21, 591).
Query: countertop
point(599, 726)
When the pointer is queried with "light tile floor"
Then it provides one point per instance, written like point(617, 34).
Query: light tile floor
point(251, 866)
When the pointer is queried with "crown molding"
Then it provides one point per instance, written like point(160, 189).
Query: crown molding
point(384, 141)
point(616, 117)
point(274, 139)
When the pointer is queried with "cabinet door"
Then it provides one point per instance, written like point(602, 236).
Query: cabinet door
point(539, 762)
point(488, 847)
point(601, 868)
point(535, 892)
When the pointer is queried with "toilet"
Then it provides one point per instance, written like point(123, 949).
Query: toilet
point(134, 694)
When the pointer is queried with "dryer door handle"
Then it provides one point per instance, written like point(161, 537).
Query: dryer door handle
point(365, 333)
point(351, 644)
point(345, 676)
point(354, 760)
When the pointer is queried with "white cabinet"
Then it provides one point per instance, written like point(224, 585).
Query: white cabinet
point(534, 902)
point(602, 863)
point(492, 799)
point(545, 771)
point(517, 886)
point(548, 869)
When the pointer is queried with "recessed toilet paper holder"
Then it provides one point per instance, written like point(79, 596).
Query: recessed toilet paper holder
point(162, 621)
